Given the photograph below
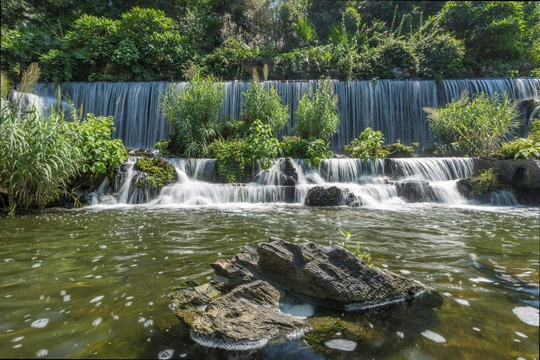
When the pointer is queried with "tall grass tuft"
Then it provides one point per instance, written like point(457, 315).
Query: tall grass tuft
point(37, 157)
point(30, 78)
point(5, 85)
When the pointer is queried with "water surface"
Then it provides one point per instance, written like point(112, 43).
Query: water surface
point(93, 282)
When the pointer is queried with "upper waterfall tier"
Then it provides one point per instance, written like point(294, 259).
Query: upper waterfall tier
point(394, 107)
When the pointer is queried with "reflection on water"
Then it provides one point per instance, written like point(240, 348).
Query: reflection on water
point(93, 282)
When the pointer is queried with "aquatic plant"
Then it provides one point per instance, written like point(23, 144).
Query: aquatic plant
point(362, 255)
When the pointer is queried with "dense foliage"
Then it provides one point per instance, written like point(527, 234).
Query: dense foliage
point(473, 127)
point(151, 40)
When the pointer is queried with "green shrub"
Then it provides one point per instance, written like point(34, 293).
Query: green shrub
point(38, 158)
point(367, 146)
point(163, 147)
point(237, 156)
point(524, 148)
point(439, 55)
point(392, 53)
point(231, 129)
point(317, 114)
point(304, 63)
point(264, 104)
point(159, 171)
point(398, 150)
point(100, 153)
point(193, 113)
point(233, 158)
point(473, 127)
point(312, 149)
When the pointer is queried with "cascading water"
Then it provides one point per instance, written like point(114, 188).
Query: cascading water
point(378, 183)
point(394, 107)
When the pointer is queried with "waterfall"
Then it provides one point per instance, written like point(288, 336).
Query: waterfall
point(394, 107)
point(377, 183)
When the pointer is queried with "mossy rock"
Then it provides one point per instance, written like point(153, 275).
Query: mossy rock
point(159, 172)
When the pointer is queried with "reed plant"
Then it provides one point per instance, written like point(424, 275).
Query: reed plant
point(193, 113)
point(37, 157)
point(317, 114)
point(473, 127)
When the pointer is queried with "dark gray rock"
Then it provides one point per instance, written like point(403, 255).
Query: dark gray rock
point(245, 318)
point(321, 196)
point(326, 275)
point(517, 173)
point(416, 191)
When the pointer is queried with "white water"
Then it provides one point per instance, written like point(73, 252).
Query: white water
point(372, 184)
point(394, 107)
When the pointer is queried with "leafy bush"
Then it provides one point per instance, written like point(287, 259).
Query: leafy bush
point(439, 54)
point(392, 53)
point(263, 103)
point(163, 147)
point(312, 149)
point(304, 63)
point(100, 153)
point(367, 146)
point(38, 158)
point(398, 150)
point(473, 127)
point(491, 30)
point(235, 157)
point(317, 114)
point(57, 66)
point(524, 148)
point(193, 113)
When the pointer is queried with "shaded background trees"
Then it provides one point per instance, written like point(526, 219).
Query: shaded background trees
point(155, 40)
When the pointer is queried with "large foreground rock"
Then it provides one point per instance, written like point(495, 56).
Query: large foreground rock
point(245, 318)
point(241, 311)
point(327, 275)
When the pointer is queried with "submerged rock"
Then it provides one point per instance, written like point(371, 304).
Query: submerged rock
point(241, 311)
point(245, 318)
point(326, 275)
point(415, 191)
point(321, 196)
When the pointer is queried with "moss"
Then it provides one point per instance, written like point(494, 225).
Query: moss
point(324, 329)
point(186, 284)
point(159, 171)
point(485, 181)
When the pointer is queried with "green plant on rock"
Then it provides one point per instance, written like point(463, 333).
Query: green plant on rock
point(264, 104)
point(317, 114)
point(163, 147)
point(365, 256)
point(399, 150)
point(474, 127)
point(237, 156)
point(193, 113)
point(312, 149)
point(367, 146)
point(233, 158)
point(159, 171)
point(485, 181)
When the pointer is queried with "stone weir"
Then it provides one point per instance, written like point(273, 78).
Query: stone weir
point(241, 309)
